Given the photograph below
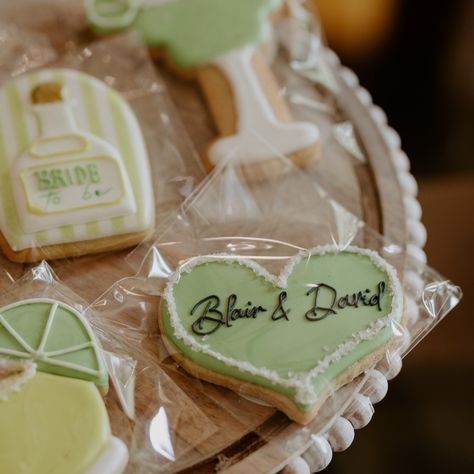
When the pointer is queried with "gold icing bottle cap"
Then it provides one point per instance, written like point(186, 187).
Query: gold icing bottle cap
point(46, 93)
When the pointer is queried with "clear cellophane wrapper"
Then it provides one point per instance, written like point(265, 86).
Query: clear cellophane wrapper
point(122, 63)
point(183, 422)
point(157, 421)
point(269, 223)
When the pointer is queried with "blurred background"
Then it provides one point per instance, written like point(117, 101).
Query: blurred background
point(417, 60)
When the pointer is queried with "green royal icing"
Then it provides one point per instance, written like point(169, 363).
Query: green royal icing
point(57, 338)
point(194, 32)
point(284, 346)
point(52, 425)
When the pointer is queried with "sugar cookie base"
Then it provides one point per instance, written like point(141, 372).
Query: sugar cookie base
point(72, 249)
point(275, 399)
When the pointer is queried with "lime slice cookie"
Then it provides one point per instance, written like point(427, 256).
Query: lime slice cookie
point(43, 434)
point(53, 420)
point(55, 336)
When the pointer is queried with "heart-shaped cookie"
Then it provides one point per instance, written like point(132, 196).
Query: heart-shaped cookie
point(289, 340)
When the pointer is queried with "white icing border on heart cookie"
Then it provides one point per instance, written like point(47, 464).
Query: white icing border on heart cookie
point(301, 383)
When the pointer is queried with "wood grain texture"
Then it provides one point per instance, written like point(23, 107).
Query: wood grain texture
point(265, 440)
point(248, 437)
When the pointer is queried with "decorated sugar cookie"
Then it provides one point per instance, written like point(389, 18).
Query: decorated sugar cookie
point(74, 168)
point(289, 339)
point(52, 414)
point(219, 40)
point(55, 336)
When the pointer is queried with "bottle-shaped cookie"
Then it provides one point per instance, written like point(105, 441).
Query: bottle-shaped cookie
point(67, 174)
point(75, 177)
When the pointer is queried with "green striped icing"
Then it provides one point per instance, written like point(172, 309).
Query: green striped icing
point(90, 106)
point(93, 228)
point(67, 232)
point(8, 204)
point(16, 113)
point(125, 144)
point(14, 110)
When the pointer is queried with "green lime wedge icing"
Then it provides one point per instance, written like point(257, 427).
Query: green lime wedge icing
point(57, 337)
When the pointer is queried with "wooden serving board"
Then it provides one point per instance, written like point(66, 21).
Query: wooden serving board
point(250, 437)
point(254, 438)
point(247, 436)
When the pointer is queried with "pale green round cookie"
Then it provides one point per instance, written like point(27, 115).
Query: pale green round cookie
point(52, 425)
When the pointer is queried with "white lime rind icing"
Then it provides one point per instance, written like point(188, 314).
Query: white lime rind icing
point(301, 382)
point(17, 373)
